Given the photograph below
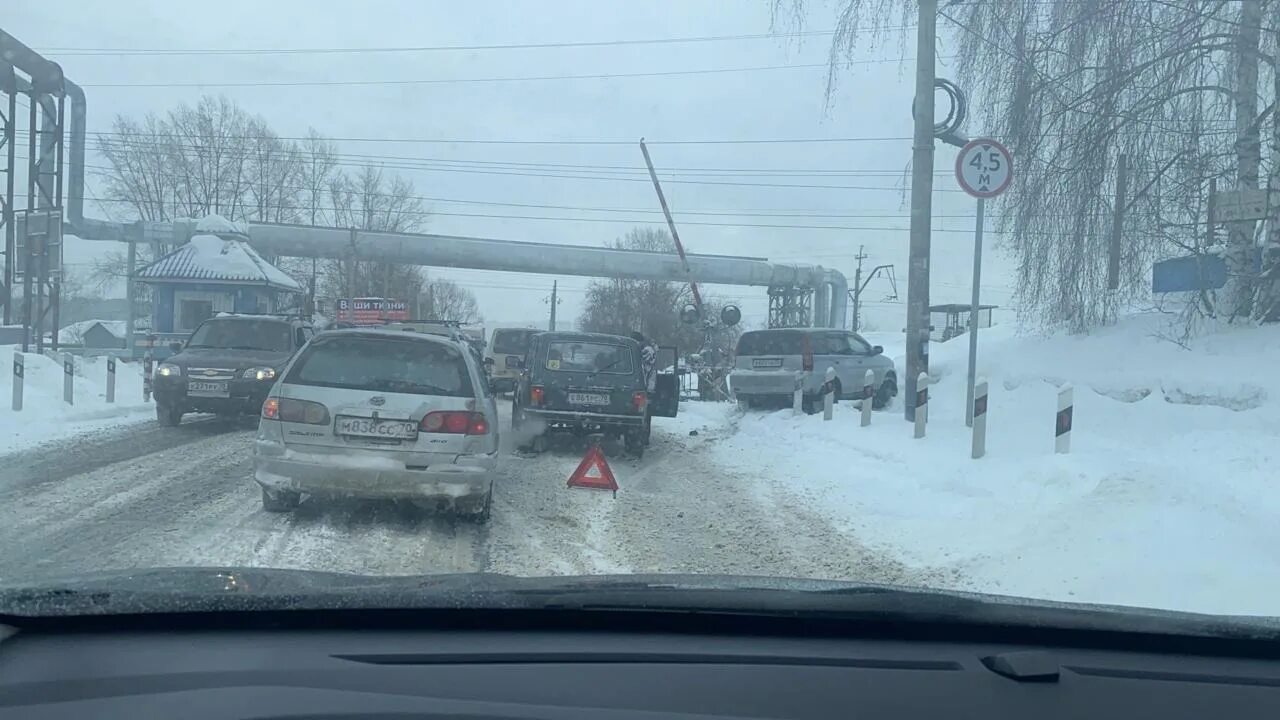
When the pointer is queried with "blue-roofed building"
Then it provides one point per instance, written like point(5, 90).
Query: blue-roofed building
point(216, 271)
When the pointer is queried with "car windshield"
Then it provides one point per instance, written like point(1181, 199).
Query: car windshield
point(588, 356)
point(381, 364)
point(511, 342)
point(972, 296)
point(243, 334)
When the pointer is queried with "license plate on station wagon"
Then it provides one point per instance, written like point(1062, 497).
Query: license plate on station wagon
point(576, 398)
point(370, 428)
point(766, 363)
point(205, 388)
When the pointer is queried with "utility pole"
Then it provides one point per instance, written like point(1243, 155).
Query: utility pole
point(857, 285)
point(921, 205)
point(554, 300)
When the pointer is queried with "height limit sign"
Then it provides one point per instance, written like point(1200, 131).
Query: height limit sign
point(984, 168)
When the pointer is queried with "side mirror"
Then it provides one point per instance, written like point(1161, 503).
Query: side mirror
point(175, 347)
point(488, 361)
point(877, 349)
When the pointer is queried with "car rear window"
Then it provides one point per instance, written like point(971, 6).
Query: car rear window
point(511, 342)
point(771, 342)
point(586, 356)
point(382, 364)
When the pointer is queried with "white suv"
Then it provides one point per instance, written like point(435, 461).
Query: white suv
point(375, 413)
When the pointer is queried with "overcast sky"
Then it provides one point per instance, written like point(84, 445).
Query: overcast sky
point(873, 104)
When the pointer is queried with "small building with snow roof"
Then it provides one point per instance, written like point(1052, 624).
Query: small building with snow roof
point(216, 271)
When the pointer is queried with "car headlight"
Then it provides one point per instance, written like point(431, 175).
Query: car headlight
point(260, 373)
point(168, 370)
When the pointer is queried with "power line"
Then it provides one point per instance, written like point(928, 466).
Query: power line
point(625, 221)
point(525, 78)
point(455, 48)
point(430, 162)
point(447, 48)
point(506, 141)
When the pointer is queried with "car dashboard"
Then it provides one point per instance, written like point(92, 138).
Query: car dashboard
point(588, 667)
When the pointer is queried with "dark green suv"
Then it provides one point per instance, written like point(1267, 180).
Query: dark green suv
point(588, 384)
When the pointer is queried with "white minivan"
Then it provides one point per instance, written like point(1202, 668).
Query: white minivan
point(506, 350)
point(377, 413)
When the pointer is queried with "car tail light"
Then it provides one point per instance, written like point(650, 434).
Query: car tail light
point(303, 411)
point(536, 395)
point(455, 423)
point(271, 409)
point(639, 399)
point(807, 359)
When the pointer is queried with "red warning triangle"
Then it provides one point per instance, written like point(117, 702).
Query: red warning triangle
point(593, 472)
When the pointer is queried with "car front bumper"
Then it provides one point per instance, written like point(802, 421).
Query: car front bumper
point(322, 474)
point(243, 396)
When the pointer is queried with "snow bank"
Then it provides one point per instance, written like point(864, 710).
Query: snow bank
point(45, 416)
point(1166, 500)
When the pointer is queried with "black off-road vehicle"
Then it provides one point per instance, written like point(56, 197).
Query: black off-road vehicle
point(588, 384)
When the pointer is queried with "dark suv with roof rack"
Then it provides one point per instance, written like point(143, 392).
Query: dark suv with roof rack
point(227, 366)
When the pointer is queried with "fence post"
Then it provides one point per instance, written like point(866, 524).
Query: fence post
point(68, 378)
point(922, 403)
point(146, 376)
point(979, 419)
point(17, 380)
point(868, 396)
point(111, 378)
point(797, 398)
point(829, 394)
point(1062, 423)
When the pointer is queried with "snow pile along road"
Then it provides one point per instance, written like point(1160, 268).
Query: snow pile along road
point(1166, 500)
point(44, 415)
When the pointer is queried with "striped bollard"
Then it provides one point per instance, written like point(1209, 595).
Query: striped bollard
point(111, 378)
point(1062, 423)
point(797, 398)
point(868, 395)
point(68, 379)
point(922, 403)
point(979, 419)
point(17, 380)
point(146, 377)
point(829, 394)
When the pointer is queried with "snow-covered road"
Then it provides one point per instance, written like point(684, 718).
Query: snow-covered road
point(147, 496)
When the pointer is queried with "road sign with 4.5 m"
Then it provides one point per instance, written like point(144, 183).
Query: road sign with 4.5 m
point(984, 168)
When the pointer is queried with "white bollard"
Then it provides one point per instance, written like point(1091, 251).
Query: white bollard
point(868, 396)
point(979, 419)
point(68, 378)
point(111, 378)
point(922, 403)
point(797, 399)
point(829, 394)
point(17, 380)
point(1062, 423)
